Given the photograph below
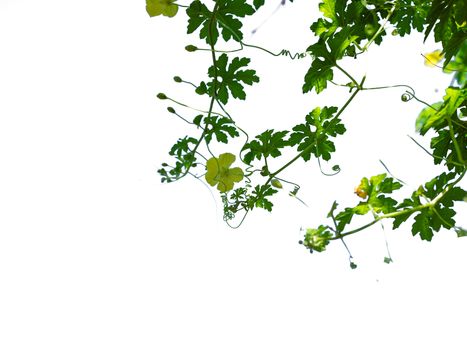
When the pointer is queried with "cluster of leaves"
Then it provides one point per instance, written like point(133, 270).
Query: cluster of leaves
point(437, 211)
point(347, 28)
point(184, 159)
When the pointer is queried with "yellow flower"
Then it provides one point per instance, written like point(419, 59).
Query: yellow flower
point(433, 58)
point(363, 188)
point(161, 7)
point(220, 173)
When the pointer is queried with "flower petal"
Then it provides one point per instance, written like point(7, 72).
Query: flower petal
point(433, 58)
point(212, 171)
point(235, 175)
point(225, 185)
point(226, 159)
point(170, 11)
point(154, 8)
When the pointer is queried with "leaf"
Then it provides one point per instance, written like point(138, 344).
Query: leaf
point(225, 18)
point(344, 218)
point(313, 137)
point(258, 3)
point(259, 199)
point(267, 144)
point(410, 14)
point(422, 227)
point(182, 146)
point(198, 16)
point(320, 71)
point(333, 208)
point(430, 118)
point(231, 77)
point(221, 127)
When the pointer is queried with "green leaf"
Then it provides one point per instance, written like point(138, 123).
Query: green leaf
point(453, 45)
point(410, 14)
point(344, 218)
point(398, 220)
point(231, 77)
point(221, 127)
point(182, 146)
point(313, 137)
point(267, 144)
point(320, 71)
point(422, 227)
point(258, 198)
point(258, 3)
point(428, 113)
point(333, 208)
point(225, 18)
point(199, 16)
point(435, 116)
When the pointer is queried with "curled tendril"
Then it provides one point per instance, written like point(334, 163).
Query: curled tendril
point(294, 56)
point(405, 97)
point(335, 168)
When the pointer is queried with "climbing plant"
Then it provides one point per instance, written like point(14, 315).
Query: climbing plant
point(346, 28)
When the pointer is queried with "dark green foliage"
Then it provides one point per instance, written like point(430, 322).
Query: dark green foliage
point(347, 28)
point(313, 137)
point(448, 19)
point(409, 14)
point(267, 144)
point(231, 79)
point(439, 213)
point(258, 198)
point(225, 17)
point(184, 157)
point(221, 127)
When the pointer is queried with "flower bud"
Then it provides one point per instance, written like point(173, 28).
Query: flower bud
point(276, 183)
point(191, 48)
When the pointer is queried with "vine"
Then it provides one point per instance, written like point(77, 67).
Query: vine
point(347, 28)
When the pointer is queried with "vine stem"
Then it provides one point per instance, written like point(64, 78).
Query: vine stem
point(380, 29)
point(431, 204)
point(213, 98)
point(454, 141)
point(349, 76)
point(310, 146)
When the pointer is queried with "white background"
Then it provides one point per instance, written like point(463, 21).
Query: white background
point(96, 253)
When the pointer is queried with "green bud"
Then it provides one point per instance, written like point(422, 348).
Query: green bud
point(177, 79)
point(395, 32)
point(171, 110)
point(191, 48)
point(161, 96)
point(276, 183)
